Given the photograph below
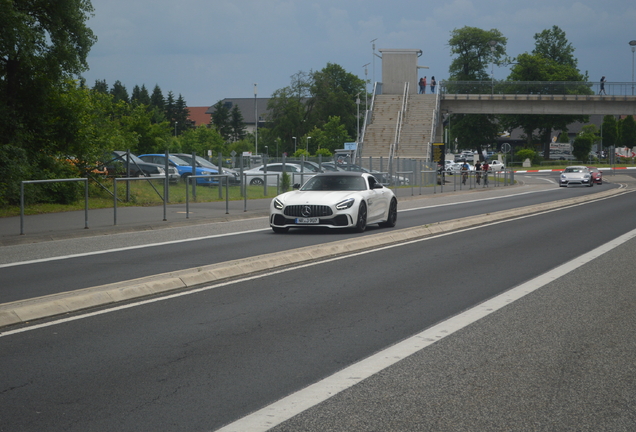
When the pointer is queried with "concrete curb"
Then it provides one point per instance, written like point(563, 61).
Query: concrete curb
point(72, 301)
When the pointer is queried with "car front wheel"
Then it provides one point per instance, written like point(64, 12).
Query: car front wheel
point(361, 223)
point(256, 182)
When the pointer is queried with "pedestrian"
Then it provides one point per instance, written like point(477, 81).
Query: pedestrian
point(478, 172)
point(602, 86)
point(433, 84)
point(422, 86)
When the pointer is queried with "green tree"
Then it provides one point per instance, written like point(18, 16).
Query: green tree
point(181, 114)
point(333, 93)
point(40, 45)
point(627, 128)
point(201, 139)
point(609, 130)
point(221, 120)
point(551, 61)
point(474, 53)
point(237, 124)
point(119, 92)
point(583, 142)
point(472, 47)
point(101, 86)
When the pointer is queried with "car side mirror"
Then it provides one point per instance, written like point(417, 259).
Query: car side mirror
point(296, 186)
point(377, 186)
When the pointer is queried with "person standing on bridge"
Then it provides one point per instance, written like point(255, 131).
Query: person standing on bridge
point(433, 84)
point(602, 90)
point(422, 86)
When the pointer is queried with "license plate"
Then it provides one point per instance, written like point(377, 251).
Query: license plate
point(307, 220)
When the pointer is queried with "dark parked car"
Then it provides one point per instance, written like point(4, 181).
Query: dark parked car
point(119, 165)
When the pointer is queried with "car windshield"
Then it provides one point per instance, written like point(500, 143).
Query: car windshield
point(179, 161)
point(574, 170)
point(335, 183)
point(133, 158)
point(205, 163)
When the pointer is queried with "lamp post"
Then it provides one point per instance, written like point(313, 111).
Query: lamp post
point(294, 144)
point(255, 119)
point(358, 118)
point(175, 123)
point(492, 44)
point(633, 45)
point(307, 148)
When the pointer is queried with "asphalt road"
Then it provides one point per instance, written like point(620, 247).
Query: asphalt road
point(213, 244)
point(560, 358)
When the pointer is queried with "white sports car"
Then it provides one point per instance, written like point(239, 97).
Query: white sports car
point(576, 175)
point(343, 199)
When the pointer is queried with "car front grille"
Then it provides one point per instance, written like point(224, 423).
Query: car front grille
point(306, 210)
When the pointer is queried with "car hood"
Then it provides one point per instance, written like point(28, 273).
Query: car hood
point(315, 197)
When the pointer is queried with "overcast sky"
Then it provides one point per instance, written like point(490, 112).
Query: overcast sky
point(208, 50)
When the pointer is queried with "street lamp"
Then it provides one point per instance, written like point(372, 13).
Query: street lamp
point(492, 44)
point(307, 148)
point(358, 118)
point(294, 144)
point(175, 123)
point(255, 119)
point(633, 45)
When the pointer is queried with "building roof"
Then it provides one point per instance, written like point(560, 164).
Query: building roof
point(199, 116)
point(246, 105)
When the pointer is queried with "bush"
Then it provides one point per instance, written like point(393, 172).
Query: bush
point(13, 169)
point(524, 154)
point(285, 182)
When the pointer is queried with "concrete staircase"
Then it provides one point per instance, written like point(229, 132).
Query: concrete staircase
point(416, 127)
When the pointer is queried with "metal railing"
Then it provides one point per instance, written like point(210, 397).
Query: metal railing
point(24, 182)
point(502, 87)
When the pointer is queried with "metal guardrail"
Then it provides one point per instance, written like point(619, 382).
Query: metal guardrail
point(127, 179)
point(22, 183)
point(503, 87)
point(227, 190)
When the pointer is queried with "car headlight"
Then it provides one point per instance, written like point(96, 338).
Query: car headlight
point(342, 205)
point(206, 173)
point(278, 205)
point(563, 176)
point(160, 170)
point(587, 176)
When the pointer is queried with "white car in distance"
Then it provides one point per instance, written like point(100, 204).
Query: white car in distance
point(256, 176)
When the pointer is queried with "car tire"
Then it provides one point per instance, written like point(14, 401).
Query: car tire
point(392, 216)
point(361, 221)
point(256, 182)
point(279, 230)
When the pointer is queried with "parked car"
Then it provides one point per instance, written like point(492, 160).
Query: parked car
point(335, 200)
point(576, 175)
point(308, 165)
point(597, 176)
point(496, 165)
point(119, 165)
point(234, 176)
point(256, 176)
point(184, 168)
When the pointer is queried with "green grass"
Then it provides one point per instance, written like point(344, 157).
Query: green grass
point(141, 194)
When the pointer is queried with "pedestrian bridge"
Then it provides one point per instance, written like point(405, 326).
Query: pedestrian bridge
point(535, 97)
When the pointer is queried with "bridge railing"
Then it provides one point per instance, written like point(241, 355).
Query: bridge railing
point(537, 87)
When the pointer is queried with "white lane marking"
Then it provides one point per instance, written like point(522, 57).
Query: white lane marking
point(83, 254)
point(478, 200)
point(286, 408)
